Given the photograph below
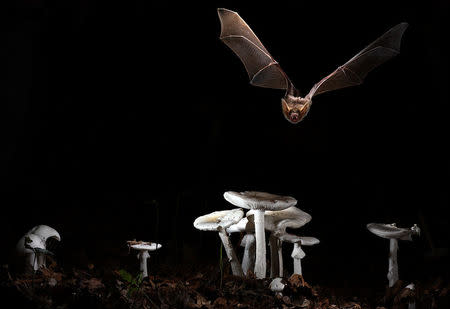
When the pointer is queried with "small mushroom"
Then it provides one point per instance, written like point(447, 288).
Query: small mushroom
point(33, 246)
point(219, 221)
point(297, 253)
point(277, 285)
point(393, 233)
point(143, 249)
point(259, 202)
point(409, 293)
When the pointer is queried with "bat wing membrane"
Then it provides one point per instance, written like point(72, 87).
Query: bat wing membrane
point(262, 69)
point(356, 69)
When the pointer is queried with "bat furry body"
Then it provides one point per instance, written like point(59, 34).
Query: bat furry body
point(264, 70)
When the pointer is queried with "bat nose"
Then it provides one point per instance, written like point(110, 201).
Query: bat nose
point(294, 117)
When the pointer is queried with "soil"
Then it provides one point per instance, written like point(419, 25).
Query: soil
point(54, 287)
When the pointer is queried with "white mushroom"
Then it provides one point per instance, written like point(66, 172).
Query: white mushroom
point(248, 242)
point(33, 245)
point(297, 253)
point(277, 285)
point(277, 222)
point(259, 202)
point(44, 232)
point(143, 248)
point(248, 260)
point(219, 221)
point(393, 233)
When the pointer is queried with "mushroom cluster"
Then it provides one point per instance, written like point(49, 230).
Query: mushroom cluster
point(267, 212)
point(33, 246)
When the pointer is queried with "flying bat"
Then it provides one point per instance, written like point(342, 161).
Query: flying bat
point(264, 71)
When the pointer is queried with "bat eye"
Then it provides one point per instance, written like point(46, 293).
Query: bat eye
point(294, 117)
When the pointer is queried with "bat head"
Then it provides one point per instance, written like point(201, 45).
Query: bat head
point(295, 108)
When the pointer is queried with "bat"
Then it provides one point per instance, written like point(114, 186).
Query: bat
point(264, 71)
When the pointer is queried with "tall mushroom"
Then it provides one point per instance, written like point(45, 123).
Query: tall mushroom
point(33, 245)
point(259, 202)
point(143, 249)
point(393, 233)
point(219, 221)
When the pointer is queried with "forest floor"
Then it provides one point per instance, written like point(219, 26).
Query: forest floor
point(52, 287)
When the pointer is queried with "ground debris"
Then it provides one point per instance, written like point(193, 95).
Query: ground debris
point(93, 288)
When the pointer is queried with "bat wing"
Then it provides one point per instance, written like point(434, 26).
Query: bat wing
point(262, 69)
point(356, 69)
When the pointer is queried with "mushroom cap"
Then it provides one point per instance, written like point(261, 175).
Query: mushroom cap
point(217, 219)
point(279, 220)
point(146, 246)
point(29, 242)
point(45, 232)
point(286, 237)
point(259, 200)
point(301, 240)
point(277, 285)
point(410, 286)
point(390, 231)
point(242, 226)
point(309, 241)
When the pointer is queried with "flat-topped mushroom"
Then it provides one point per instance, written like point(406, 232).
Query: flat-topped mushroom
point(143, 249)
point(259, 202)
point(297, 253)
point(219, 221)
point(33, 245)
point(393, 233)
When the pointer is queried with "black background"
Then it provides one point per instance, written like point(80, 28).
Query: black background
point(129, 121)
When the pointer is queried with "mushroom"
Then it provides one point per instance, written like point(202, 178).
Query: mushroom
point(44, 232)
point(297, 253)
point(277, 285)
point(259, 202)
point(143, 248)
point(248, 260)
point(248, 242)
point(33, 245)
point(219, 221)
point(277, 222)
point(393, 233)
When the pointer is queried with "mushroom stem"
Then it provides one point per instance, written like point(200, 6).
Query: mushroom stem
point(393, 265)
point(274, 258)
point(236, 267)
point(297, 266)
point(143, 256)
point(260, 262)
point(33, 261)
point(248, 260)
point(280, 258)
point(297, 255)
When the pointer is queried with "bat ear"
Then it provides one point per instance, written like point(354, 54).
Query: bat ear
point(285, 106)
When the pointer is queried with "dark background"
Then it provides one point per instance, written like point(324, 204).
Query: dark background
point(122, 122)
